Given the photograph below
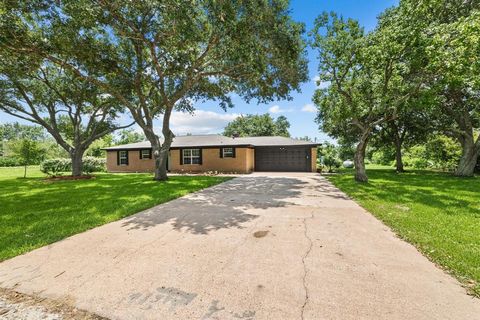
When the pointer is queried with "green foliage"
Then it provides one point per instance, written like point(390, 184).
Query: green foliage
point(384, 156)
point(328, 154)
point(56, 167)
point(253, 125)
point(27, 152)
point(92, 164)
point(15, 131)
point(155, 56)
point(95, 149)
point(444, 152)
point(415, 157)
point(9, 162)
point(127, 136)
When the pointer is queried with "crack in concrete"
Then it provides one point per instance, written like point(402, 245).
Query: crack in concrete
point(305, 271)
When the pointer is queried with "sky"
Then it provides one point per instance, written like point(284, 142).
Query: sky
point(209, 118)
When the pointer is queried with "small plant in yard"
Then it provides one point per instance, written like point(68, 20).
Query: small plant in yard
point(28, 152)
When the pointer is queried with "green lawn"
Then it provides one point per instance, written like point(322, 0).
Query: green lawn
point(35, 212)
point(438, 213)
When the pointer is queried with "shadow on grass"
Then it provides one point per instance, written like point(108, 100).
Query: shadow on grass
point(442, 191)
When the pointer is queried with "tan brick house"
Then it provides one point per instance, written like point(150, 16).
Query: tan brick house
point(219, 153)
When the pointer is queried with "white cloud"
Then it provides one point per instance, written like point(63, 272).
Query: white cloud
point(278, 109)
point(322, 84)
point(200, 122)
point(309, 108)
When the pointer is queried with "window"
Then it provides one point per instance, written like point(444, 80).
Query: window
point(145, 154)
point(123, 158)
point(191, 156)
point(228, 153)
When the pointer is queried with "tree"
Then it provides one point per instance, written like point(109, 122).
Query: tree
point(253, 125)
point(73, 111)
point(156, 56)
point(368, 75)
point(449, 36)
point(28, 152)
point(411, 127)
point(454, 57)
point(329, 155)
point(282, 125)
point(15, 130)
point(129, 136)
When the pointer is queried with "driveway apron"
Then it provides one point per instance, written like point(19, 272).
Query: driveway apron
point(260, 246)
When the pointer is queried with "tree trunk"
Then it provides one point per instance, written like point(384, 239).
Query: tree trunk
point(161, 158)
point(77, 162)
point(359, 159)
point(25, 172)
point(468, 161)
point(398, 156)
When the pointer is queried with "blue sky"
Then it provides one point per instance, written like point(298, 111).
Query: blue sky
point(209, 118)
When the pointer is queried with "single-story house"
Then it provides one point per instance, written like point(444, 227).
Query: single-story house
point(202, 153)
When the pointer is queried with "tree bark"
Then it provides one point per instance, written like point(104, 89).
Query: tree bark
point(77, 162)
point(25, 172)
point(359, 159)
point(468, 161)
point(398, 156)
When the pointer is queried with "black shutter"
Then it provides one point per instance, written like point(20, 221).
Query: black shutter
point(201, 158)
point(118, 158)
point(149, 153)
point(127, 157)
point(234, 153)
point(140, 154)
point(221, 152)
point(181, 156)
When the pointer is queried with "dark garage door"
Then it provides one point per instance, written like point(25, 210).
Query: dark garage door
point(282, 159)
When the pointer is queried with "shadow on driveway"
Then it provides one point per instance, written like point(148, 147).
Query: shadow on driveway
point(221, 206)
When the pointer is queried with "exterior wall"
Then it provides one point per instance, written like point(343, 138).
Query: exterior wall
point(251, 159)
point(244, 162)
point(314, 159)
point(135, 164)
point(211, 161)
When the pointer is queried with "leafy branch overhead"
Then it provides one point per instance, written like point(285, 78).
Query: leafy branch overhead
point(156, 56)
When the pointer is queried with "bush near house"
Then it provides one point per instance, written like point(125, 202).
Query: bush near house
point(55, 167)
point(10, 162)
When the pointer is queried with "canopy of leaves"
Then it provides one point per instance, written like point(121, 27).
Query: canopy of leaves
point(258, 125)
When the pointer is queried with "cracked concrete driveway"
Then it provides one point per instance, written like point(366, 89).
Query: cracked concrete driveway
point(271, 246)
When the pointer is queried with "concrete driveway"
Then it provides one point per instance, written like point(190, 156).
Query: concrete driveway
point(271, 246)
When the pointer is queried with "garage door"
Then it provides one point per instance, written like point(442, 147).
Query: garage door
point(282, 159)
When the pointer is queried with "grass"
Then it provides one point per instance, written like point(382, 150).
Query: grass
point(436, 212)
point(35, 212)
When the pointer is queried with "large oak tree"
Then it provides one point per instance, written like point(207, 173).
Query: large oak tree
point(156, 56)
point(368, 75)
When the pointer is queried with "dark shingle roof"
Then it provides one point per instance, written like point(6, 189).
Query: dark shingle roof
point(218, 141)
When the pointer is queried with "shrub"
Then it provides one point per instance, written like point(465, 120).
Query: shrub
point(383, 157)
point(9, 162)
point(54, 167)
point(93, 164)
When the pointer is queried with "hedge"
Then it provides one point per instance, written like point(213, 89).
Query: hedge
point(55, 167)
